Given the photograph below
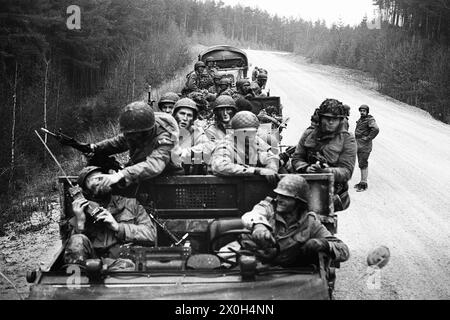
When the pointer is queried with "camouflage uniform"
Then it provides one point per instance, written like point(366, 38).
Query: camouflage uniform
point(227, 160)
point(99, 241)
point(337, 149)
point(292, 238)
point(151, 159)
point(198, 81)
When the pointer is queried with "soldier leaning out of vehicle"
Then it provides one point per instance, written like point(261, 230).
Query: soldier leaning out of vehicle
point(194, 146)
point(120, 220)
point(224, 109)
point(167, 102)
point(149, 137)
point(286, 220)
point(242, 152)
point(328, 148)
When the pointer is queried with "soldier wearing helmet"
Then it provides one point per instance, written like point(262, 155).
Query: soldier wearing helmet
point(121, 220)
point(366, 130)
point(287, 221)
point(167, 101)
point(243, 89)
point(210, 67)
point(225, 87)
point(148, 136)
point(244, 153)
point(328, 148)
point(194, 146)
point(224, 109)
point(199, 79)
point(259, 84)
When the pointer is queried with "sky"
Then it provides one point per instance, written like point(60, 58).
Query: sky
point(349, 11)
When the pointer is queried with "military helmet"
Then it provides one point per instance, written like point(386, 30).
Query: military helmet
point(364, 107)
point(332, 108)
point(224, 101)
point(138, 116)
point(262, 75)
point(224, 81)
point(199, 64)
point(186, 103)
point(85, 172)
point(243, 120)
point(294, 186)
point(241, 82)
point(209, 59)
point(347, 110)
point(168, 97)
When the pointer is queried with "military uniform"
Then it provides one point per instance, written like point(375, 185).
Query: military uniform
point(150, 159)
point(194, 144)
point(293, 237)
point(366, 130)
point(215, 132)
point(99, 241)
point(196, 81)
point(338, 149)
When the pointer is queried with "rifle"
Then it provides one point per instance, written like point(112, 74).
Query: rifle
point(92, 209)
point(94, 159)
point(150, 102)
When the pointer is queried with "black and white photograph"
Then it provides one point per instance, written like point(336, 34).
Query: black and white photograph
point(222, 155)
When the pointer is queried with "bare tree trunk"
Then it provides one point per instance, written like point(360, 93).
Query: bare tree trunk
point(47, 64)
point(134, 74)
point(13, 129)
point(57, 103)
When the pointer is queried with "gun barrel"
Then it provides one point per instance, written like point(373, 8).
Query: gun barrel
point(49, 132)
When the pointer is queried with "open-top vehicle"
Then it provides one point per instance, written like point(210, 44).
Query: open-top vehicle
point(208, 209)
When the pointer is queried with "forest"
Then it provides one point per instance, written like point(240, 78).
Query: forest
point(77, 79)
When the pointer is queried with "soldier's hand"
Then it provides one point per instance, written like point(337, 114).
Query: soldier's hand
point(107, 180)
point(314, 168)
point(262, 235)
point(270, 175)
point(78, 207)
point(314, 246)
point(106, 217)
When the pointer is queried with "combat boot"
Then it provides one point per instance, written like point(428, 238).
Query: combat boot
point(362, 187)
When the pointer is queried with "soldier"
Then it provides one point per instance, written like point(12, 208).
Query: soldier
point(243, 89)
point(255, 73)
point(224, 110)
point(167, 101)
point(287, 221)
point(123, 220)
point(243, 152)
point(148, 136)
point(260, 84)
point(366, 130)
point(199, 79)
point(225, 87)
point(210, 67)
point(328, 148)
point(195, 148)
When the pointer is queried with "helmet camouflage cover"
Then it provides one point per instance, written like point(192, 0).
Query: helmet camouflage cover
point(244, 119)
point(224, 101)
point(332, 108)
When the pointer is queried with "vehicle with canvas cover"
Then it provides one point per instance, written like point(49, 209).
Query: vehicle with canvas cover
point(203, 214)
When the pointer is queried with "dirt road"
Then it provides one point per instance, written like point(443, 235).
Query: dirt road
point(407, 205)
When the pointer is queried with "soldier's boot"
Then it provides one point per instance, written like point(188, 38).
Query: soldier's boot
point(362, 187)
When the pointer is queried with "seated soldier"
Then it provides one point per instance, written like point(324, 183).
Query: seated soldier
point(243, 90)
point(123, 220)
point(225, 87)
point(286, 220)
point(167, 101)
point(194, 146)
point(224, 109)
point(243, 152)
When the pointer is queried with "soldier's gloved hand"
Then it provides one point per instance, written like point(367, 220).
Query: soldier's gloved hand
point(284, 157)
point(314, 246)
point(262, 235)
point(106, 217)
point(107, 180)
point(314, 168)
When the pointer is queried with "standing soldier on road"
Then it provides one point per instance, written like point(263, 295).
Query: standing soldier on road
point(366, 130)
point(328, 148)
point(167, 101)
point(287, 221)
point(123, 220)
point(243, 152)
point(148, 136)
point(195, 148)
point(224, 110)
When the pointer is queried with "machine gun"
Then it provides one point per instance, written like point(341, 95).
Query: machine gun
point(99, 160)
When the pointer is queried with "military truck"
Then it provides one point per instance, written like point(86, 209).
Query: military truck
point(207, 209)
